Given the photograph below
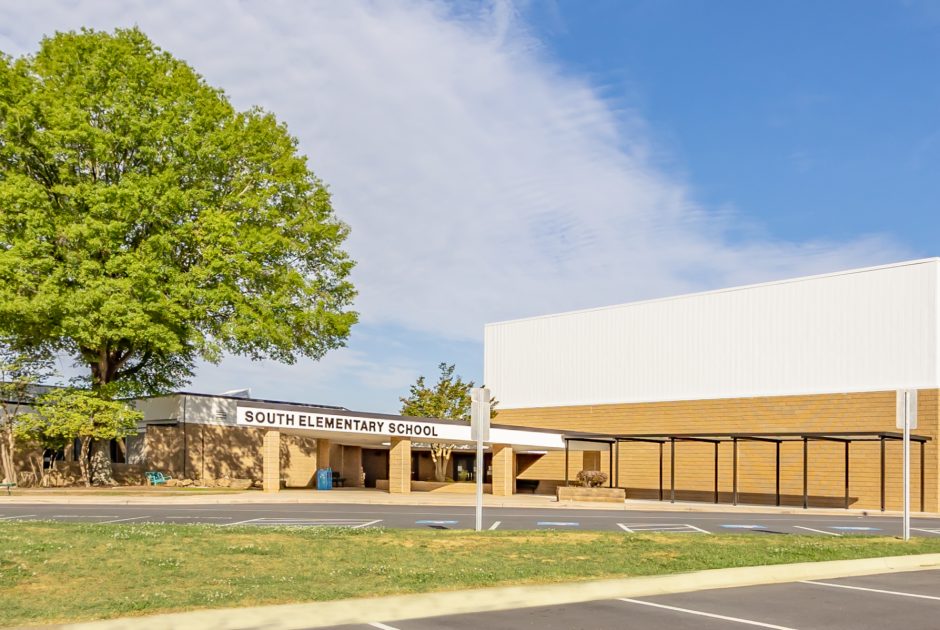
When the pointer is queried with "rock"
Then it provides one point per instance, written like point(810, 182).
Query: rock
point(186, 483)
point(257, 483)
point(172, 483)
point(224, 483)
point(241, 484)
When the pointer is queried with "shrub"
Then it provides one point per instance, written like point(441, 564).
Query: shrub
point(592, 478)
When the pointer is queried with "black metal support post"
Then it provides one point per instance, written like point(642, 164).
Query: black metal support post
point(805, 474)
point(610, 464)
point(882, 438)
point(661, 471)
point(716, 472)
point(672, 470)
point(734, 471)
point(778, 474)
point(566, 463)
point(922, 503)
point(617, 463)
point(847, 474)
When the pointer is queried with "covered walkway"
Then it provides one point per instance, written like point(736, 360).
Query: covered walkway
point(586, 442)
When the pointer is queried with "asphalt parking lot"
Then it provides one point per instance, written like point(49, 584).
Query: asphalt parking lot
point(434, 517)
point(897, 600)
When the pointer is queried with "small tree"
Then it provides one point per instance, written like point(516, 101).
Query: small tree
point(33, 431)
point(448, 399)
point(20, 371)
point(84, 415)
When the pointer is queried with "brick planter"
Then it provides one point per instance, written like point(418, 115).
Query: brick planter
point(603, 495)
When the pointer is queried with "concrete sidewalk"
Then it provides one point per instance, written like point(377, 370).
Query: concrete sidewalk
point(395, 608)
point(368, 496)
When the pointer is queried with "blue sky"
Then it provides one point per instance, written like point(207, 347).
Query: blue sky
point(498, 160)
point(811, 119)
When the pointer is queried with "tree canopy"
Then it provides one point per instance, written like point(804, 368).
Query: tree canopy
point(146, 223)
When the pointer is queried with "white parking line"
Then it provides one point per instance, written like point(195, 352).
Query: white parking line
point(121, 520)
point(702, 613)
point(251, 520)
point(929, 531)
point(665, 528)
point(369, 524)
point(495, 525)
point(381, 626)
point(871, 590)
point(818, 531)
point(699, 529)
point(3, 518)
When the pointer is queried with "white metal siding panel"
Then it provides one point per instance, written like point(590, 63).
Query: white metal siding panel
point(865, 330)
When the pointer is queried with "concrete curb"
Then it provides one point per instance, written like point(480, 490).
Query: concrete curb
point(394, 608)
point(256, 498)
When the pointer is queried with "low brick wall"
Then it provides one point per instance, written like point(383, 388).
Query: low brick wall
point(454, 487)
point(603, 495)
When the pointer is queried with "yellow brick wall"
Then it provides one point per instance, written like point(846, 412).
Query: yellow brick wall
point(504, 474)
point(399, 466)
point(639, 463)
point(204, 451)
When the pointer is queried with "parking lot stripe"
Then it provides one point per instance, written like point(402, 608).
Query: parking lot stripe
point(702, 613)
point(381, 626)
point(624, 528)
point(3, 518)
point(121, 520)
point(818, 531)
point(495, 525)
point(871, 590)
point(367, 524)
point(698, 528)
point(251, 520)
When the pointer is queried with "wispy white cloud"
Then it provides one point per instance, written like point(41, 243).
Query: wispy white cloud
point(482, 181)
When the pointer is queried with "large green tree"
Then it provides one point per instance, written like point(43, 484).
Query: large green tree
point(146, 223)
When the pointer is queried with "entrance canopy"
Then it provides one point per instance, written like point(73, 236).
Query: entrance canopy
point(374, 428)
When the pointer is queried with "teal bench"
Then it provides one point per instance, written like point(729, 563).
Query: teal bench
point(8, 486)
point(156, 478)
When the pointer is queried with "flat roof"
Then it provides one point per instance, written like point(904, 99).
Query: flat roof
point(906, 263)
point(332, 409)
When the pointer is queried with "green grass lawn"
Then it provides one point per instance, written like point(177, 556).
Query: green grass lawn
point(57, 572)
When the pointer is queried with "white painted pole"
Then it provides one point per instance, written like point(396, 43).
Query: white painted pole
point(480, 473)
point(480, 431)
point(906, 525)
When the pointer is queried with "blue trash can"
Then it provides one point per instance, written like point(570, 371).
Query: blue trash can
point(324, 479)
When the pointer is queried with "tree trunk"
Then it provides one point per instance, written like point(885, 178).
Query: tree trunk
point(101, 472)
point(7, 444)
point(440, 454)
point(83, 460)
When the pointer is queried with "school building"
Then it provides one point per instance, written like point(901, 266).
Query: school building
point(776, 393)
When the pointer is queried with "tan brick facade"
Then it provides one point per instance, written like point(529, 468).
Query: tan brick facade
point(203, 451)
point(504, 470)
point(271, 461)
point(639, 463)
point(399, 466)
